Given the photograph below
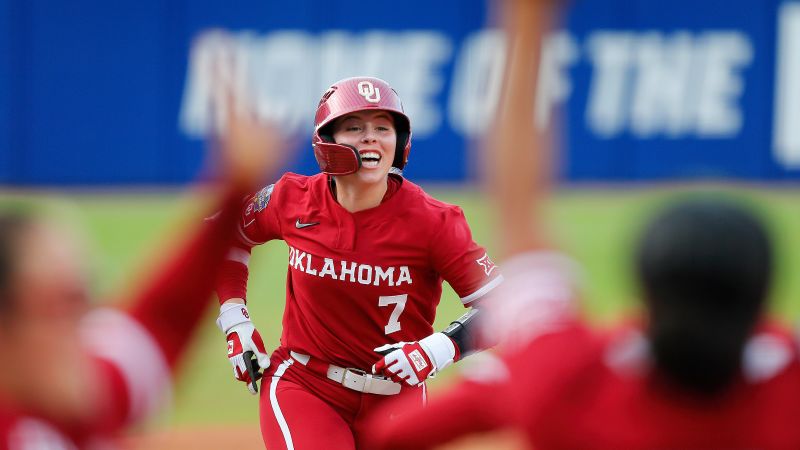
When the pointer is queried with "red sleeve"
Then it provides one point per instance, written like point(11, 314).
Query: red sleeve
point(470, 406)
point(232, 280)
point(137, 352)
point(171, 305)
point(258, 224)
point(465, 265)
point(538, 295)
point(512, 391)
point(114, 411)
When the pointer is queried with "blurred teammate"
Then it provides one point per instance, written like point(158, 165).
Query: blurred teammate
point(71, 376)
point(704, 369)
point(368, 251)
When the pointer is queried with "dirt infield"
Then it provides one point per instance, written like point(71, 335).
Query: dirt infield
point(231, 437)
point(206, 437)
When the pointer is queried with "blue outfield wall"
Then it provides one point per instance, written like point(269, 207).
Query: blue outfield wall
point(98, 93)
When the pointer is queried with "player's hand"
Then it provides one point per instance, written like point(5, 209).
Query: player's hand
point(251, 148)
point(414, 362)
point(242, 336)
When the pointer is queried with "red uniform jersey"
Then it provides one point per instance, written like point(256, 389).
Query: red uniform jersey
point(574, 388)
point(360, 280)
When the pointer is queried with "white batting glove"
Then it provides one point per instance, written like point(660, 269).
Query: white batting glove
point(242, 336)
point(414, 362)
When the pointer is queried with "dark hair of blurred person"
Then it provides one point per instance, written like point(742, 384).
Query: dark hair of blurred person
point(705, 268)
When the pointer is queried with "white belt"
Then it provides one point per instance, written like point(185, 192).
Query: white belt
point(355, 379)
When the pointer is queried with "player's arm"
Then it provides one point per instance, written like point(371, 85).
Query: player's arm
point(137, 352)
point(258, 224)
point(517, 149)
point(414, 362)
point(464, 408)
point(508, 391)
point(140, 348)
point(467, 268)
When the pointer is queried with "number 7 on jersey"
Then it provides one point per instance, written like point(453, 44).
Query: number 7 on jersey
point(399, 302)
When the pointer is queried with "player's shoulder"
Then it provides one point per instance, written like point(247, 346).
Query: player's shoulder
point(296, 181)
point(429, 206)
point(290, 185)
point(771, 350)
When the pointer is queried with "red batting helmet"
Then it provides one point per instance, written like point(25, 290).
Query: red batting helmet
point(348, 96)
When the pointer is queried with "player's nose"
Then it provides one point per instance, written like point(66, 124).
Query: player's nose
point(369, 136)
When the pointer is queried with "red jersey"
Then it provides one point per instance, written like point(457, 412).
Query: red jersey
point(359, 280)
point(573, 388)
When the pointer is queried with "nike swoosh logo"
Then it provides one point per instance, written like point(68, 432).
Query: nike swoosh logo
point(300, 225)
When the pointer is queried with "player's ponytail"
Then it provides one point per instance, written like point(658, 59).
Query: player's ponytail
point(705, 267)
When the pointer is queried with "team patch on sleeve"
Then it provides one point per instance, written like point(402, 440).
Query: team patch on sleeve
point(486, 263)
point(261, 199)
point(257, 203)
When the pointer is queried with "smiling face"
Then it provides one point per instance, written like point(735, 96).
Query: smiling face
point(373, 135)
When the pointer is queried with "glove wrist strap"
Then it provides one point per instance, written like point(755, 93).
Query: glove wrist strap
point(230, 315)
point(440, 350)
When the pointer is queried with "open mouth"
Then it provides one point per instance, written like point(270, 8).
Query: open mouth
point(370, 159)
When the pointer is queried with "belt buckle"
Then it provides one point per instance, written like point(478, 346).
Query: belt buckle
point(357, 371)
point(364, 373)
point(355, 379)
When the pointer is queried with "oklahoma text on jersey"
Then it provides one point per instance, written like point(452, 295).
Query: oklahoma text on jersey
point(348, 270)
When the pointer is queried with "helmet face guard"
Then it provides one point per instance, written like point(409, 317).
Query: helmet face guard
point(337, 159)
point(348, 96)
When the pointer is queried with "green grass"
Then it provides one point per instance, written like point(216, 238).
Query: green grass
point(597, 228)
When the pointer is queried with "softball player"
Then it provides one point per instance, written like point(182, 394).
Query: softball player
point(368, 251)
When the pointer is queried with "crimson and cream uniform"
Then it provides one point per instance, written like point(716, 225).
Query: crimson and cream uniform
point(566, 386)
point(134, 352)
point(355, 281)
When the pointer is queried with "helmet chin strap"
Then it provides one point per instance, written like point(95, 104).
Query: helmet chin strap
point(337, 159)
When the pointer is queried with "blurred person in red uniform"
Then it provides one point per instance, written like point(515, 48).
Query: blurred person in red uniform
point(73, 376)
point(704, 369)
point(368, 251)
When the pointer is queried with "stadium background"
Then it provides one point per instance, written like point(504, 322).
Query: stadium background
point(104, 107)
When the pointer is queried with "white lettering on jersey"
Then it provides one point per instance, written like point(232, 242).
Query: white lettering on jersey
point(349, 271)
point(364, 274)
point(405, 276)
point(309, 270)
point(380, 275)
point(327, 269)
point(298, 260)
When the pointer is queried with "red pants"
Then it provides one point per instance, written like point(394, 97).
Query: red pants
point(302, 410)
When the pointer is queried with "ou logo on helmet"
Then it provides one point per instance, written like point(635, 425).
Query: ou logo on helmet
point(369, 92)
